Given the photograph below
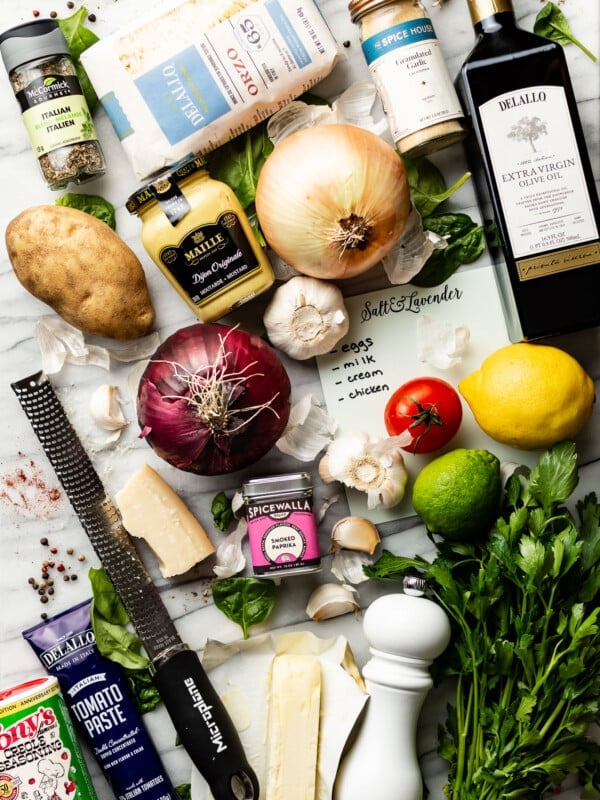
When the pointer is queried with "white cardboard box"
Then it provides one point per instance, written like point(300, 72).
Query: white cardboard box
point(185, 79)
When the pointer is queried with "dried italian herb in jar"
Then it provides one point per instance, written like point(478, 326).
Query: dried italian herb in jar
point(54, 110)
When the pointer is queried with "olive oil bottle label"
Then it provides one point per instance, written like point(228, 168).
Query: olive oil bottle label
point(210, 258)
point(540, 179)
point(406, 61)
point(55, 113)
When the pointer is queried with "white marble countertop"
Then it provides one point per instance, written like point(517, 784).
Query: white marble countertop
point(26, 517)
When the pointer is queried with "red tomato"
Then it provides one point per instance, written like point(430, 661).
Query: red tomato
point(429, 408)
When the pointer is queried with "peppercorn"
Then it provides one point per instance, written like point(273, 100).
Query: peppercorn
point(44, 540)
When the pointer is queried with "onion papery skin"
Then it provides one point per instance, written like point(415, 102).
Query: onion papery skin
point(170, 424)
point(324, 173)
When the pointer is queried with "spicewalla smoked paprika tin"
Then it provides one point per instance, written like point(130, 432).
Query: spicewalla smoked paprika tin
point(40, 757)
point(282, 529)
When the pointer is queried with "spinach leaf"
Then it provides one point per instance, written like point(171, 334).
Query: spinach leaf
point(465, 243)
point(238, 163)
point(552, 24)
point(79, 38)
point(246, 601)
point(221, 511)
point(92, 204)
point(427, 185)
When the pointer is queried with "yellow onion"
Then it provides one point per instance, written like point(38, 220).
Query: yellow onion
point(332, 200)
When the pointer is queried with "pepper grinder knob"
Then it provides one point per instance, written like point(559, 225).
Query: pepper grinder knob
point(405, 632)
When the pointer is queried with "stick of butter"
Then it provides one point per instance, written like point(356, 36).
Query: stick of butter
point(152, 511)
point(293, 727)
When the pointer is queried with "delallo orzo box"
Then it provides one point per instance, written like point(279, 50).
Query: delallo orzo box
point(187, 79)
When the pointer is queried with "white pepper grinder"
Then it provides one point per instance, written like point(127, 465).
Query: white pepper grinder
point(405, 632)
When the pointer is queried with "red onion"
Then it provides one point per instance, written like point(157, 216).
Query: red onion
point(213, 399)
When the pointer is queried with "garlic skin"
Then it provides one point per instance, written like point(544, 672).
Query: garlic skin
point(105, 408)
point(331, 600)
point(369, 464)
point(309, 430)
point(306, 317)
point(355, 533)
point(347, 566)
point(230, 554)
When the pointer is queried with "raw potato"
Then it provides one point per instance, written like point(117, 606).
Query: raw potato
point(82, 269)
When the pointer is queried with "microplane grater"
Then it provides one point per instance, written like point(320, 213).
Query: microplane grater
point(97, 514)
point(197, 712)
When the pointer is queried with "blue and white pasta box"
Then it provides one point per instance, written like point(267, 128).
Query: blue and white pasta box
point(188, 77)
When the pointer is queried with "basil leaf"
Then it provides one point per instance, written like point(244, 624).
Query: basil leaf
point(92, 204)
point(143, 689)
point(79, 38)
point(106, 601)
point(246, 601)
point(184, 790)
point(221, 511)
point(552, 24)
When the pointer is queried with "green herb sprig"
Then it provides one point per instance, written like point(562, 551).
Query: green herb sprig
point(526, 639)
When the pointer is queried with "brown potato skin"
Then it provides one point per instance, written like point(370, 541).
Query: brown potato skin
point(82, 269)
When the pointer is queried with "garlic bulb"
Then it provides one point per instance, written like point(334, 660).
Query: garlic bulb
point(348, 566)
point(306, 317)
point(230, 554)
point(331, 600)
point(105, 408)
point(355, 533)
point(368, 464)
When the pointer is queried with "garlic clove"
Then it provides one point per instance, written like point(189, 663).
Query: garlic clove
point(230, 555)
point(106, 409)
point(355, 533)
point(306, 317)
point(331, 600)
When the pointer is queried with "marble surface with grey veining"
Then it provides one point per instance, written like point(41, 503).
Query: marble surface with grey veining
point(29, 509)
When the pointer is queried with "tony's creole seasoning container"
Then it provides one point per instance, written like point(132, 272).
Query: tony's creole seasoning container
point(408, 69)
point(198, 235)
point(282, 529)
point(53, 107)
point(40, 756)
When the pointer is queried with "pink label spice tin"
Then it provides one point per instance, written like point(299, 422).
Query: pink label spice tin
point(282, 529)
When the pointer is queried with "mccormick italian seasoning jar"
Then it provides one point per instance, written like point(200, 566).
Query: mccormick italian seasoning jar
point(40, 756)
point(54, 110)
point(282, 529)
point(408, 69)
point(198, 235)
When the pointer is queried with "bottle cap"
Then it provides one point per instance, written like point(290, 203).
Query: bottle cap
point(32, 40)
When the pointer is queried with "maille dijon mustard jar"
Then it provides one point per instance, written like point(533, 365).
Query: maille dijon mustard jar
point(197, 233)
point(408, 69)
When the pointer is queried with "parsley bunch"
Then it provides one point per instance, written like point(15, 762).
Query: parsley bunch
point(525, 650)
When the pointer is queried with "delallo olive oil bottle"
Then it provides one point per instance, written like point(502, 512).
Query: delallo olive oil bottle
point(533, 175)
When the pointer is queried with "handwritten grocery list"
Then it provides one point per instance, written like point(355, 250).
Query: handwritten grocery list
point(381, 351)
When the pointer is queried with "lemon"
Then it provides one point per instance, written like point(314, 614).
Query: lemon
point(457, 495)
point(529, 396)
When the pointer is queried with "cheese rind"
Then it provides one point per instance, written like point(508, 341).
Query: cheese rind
point(293, 727)
point(153, 511)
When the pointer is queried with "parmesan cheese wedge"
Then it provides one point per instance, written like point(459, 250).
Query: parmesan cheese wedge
point(293, 727)
point(152, 511)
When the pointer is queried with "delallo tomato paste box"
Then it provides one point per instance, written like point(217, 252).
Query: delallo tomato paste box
point(185, 80)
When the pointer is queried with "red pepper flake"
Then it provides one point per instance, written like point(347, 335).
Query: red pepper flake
point(27, 492)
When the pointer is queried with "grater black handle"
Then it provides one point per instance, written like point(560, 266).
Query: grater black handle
point(205, 727)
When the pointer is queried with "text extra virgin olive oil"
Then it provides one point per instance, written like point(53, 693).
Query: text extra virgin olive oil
point(535, 178)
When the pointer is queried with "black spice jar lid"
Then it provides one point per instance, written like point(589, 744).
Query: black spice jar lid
point(31, 40)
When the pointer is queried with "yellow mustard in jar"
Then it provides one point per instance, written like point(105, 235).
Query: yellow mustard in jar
point(408, 69)
point(197, 233)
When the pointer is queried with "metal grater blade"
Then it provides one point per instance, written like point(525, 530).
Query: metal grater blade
point(97, 513)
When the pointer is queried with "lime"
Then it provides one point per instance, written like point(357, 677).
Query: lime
point(457, 495)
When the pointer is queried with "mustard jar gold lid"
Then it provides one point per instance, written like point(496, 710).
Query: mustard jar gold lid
point(164, 183)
